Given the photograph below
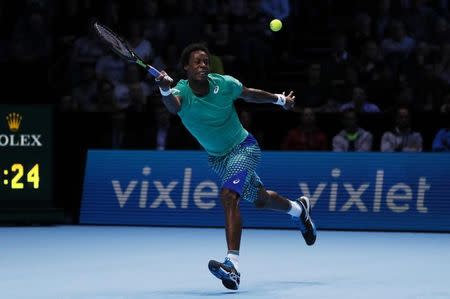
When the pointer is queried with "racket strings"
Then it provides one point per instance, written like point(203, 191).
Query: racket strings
point(114, 41)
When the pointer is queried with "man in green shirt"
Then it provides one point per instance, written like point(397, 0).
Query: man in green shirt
point(205, 104)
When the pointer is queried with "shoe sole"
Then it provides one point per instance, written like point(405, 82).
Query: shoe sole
point(307, 204)
point(216, 270)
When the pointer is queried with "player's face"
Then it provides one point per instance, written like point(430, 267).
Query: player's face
point(198, 67)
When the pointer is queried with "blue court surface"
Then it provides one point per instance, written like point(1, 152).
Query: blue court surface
point(113, 262)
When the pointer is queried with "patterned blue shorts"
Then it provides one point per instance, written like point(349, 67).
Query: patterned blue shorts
point(237, 168)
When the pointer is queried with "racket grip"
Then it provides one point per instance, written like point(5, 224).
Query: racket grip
point(154, 72)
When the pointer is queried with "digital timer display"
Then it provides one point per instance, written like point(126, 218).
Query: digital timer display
point(18, 177)
point(26, 157)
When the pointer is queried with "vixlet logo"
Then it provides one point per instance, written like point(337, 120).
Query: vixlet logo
point(399, 197)
point(204, 195)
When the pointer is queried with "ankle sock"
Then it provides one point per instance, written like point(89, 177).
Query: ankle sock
point(296, 209)
point(233, 255)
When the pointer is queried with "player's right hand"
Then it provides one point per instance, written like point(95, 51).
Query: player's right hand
point(164, 81)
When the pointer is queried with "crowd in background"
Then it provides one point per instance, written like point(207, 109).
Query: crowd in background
point(342, 57)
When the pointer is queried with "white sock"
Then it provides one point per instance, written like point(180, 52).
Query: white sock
point(296, 209)
point(234, 258)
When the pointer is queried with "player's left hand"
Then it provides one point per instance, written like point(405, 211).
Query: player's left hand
point(290, 101)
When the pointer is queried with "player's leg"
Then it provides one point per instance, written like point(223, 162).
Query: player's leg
point(271, 200)
point(233, 222)
point(228, 270)
point(299, 209)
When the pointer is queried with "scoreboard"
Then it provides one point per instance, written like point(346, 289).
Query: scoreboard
point(26, 157)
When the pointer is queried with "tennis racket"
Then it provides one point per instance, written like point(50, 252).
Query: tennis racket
point(122, 48)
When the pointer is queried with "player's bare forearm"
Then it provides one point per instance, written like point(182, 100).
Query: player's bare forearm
point(259, 96)
point(252, 95)
point(172, 103)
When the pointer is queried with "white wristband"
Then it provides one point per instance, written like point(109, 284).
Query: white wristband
point(281, 99)
point(165, 93)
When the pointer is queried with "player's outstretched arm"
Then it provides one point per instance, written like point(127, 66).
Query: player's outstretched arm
point(252, 95)
point(172, 103)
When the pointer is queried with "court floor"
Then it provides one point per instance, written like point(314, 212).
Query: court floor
point(113, 262)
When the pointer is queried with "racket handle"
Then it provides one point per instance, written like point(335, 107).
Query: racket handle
point(154, 72)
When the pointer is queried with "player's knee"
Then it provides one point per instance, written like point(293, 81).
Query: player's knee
point(229, 198)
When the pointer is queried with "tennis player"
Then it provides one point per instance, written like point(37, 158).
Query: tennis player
point(205, 104)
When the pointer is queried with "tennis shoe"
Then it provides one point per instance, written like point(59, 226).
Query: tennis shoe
point(226, 272)
point(305, 222)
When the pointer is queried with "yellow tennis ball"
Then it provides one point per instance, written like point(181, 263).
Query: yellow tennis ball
point(275, 25)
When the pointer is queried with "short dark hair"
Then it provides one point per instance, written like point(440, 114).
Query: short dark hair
point(191, 48)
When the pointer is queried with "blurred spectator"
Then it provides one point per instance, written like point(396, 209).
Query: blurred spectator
point(216, 64)
point(359, 102)
point(440, 33)
point(155, 27)
point(307, 136)
point(426, 86)
point(111, 66)
point(31, 49)
point(86, 49)
point(168, 59)
point(32, 41)
point(331, 106)
point(67, 104)
point(83, 94)
point(313, 91)
point(277, 9)
point(238, 9)
point(441, 142)
point(338, 61)
point(4, 43)
point(442, 66)
point(71, 16)
point(106, 102)
point(418, 17)
point(383, 18)
point(104, 98)
point(255, 45)
point(445, 107)
point(110, 14)
point(162, 127)
point(133, 93)
point(414, 67)
point(221, 46)
point(351, 77)
point(352, 138)
point(369, 59)
point(141, 46)
point(401, 138)
point(189, 17)
point(360, 34)
point(398, 45)
point(405, 93)
point(382, 85)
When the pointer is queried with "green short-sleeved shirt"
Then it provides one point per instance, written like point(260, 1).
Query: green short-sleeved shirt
point(212, 119)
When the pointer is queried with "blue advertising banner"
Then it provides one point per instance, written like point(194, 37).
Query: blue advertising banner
point(355, 191)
